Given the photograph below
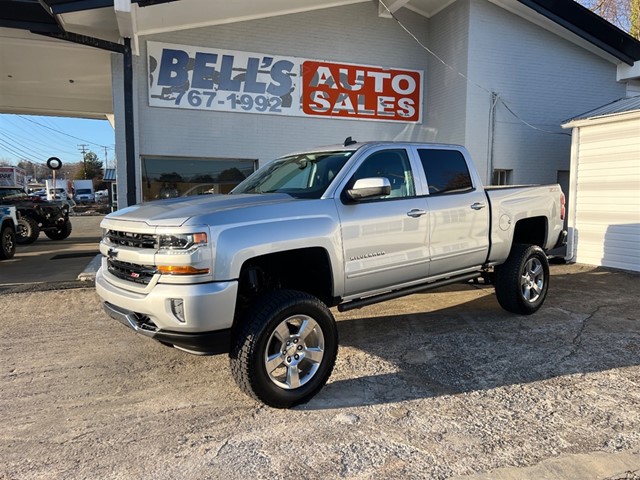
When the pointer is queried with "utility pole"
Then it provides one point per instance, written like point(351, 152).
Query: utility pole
point(84, 146)
point(106, 163)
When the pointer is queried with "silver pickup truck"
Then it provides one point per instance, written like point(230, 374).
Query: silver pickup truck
point(253, 273)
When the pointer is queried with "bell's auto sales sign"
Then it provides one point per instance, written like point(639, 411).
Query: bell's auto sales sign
point(230, 81)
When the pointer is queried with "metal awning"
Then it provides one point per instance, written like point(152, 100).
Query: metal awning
point(618, 107)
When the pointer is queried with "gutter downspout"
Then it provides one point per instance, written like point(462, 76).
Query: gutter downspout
point(491, 142)
point(129, 138)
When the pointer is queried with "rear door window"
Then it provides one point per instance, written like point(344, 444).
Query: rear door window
point(446, 171)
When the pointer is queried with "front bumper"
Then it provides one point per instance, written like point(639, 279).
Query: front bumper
point(208, 308)
point(205, 343)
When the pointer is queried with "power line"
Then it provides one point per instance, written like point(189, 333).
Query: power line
point(453, 69)
point(45, 152)
point(19, 146)
point(11, 150)
point(16, 142)
point(529, 125)
point(53, 137)
point(60, 132)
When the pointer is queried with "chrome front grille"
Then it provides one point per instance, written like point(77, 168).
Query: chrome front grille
point(128, 239)
point(133, 273)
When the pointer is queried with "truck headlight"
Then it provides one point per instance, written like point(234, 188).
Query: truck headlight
point(181, 241)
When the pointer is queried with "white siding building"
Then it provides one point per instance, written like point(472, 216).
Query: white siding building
point(604, 220)
point(221, 87)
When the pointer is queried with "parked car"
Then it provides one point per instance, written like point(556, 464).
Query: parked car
point(83, 191)
point(35, 216)
point(58, 194)
point(84, 195)
point(101, 195)
point(41, 194)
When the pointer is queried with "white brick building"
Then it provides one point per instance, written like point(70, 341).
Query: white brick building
point(500, 76)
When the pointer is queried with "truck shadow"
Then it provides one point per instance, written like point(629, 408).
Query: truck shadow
point(589, 323)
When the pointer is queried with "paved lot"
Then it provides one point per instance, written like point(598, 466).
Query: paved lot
point(53, 262)
point(439, 385)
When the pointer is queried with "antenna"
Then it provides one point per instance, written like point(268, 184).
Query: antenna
point(349, 141)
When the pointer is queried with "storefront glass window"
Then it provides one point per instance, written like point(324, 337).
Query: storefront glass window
point(168, 177)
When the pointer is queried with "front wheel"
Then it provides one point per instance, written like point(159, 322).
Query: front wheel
point(60, 233)
point(284, 350)
point(27, 231)
point(7, 243)
point(522, 281)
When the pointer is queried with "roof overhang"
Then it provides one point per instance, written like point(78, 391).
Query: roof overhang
point(589, 26)
point(49, 76)
point(620, 110)
point(614, 117)
point(46, 76)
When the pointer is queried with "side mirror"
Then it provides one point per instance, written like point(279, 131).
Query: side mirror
point(366, 188)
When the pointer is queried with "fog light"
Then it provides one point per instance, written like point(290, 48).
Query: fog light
point(177, 308)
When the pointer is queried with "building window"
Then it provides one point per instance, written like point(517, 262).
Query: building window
point(502, 177)
point(168, 177)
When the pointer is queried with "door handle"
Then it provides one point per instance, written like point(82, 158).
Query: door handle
point(478, 206)
point(416, 212)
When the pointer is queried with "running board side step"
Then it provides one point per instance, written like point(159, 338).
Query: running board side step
point(382, 297)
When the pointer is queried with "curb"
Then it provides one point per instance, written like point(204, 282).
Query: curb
point(89, 273)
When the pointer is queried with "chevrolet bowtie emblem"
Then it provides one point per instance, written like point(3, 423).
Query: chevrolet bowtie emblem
point(112, 253)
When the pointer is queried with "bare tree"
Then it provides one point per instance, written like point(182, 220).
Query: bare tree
point(624, 14)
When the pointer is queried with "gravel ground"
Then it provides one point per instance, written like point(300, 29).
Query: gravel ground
point(436, 385)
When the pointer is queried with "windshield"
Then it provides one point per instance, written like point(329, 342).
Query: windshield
point(302, 176)
point(12, 193)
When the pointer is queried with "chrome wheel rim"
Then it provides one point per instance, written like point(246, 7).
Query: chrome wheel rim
point(8, 243)
point(21, 231)
point(294, 352)
point(532, 281)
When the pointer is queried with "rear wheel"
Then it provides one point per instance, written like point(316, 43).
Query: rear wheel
point(27, 231)
point(61, 233)
point(7, 243)
point(284, 351)
point(522, 281)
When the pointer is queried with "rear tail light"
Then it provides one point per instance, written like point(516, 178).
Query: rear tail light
point(563, 208)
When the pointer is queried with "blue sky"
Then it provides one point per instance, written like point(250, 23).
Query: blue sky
point(36, 138)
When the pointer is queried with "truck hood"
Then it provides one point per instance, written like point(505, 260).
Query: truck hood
point(175, 212)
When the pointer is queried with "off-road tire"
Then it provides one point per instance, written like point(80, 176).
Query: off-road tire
point(61, 233)
point(254, 337)
point(7, 243)
point(27, 231)
point(522, 281)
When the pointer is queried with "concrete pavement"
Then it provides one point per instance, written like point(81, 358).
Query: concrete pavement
point(54, 262)
point(438, 385)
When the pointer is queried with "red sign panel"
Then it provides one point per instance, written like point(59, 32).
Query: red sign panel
point(362, 92)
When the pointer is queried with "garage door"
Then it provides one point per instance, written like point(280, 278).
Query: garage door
point(608, 195)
